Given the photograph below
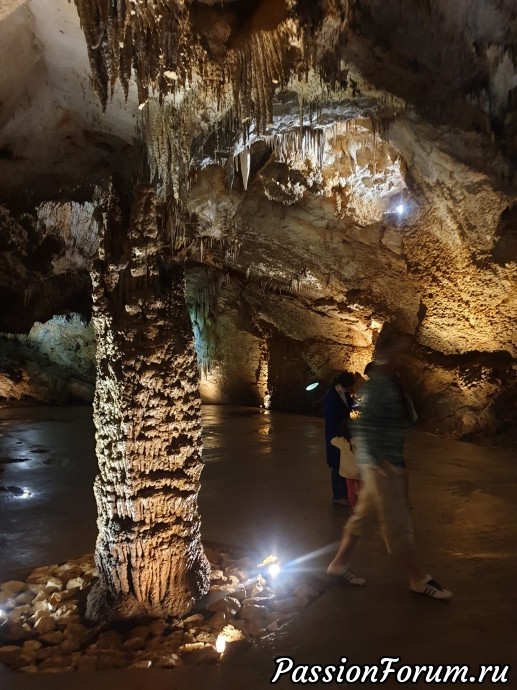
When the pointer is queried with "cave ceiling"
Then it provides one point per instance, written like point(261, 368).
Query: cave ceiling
point(344, 162)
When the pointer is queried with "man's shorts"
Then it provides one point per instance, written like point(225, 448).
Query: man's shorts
point(384, 498)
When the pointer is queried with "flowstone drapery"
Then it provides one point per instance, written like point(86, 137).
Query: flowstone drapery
point(147, 417)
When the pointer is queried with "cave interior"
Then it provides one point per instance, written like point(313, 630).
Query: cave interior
point(223, 201)
point(322, 170)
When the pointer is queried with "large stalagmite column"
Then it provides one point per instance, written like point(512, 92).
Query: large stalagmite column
point(147, 417)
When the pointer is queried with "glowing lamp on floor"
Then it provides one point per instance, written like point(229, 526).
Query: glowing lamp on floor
point(220, 644)
point(271, 564)
point(274, 569)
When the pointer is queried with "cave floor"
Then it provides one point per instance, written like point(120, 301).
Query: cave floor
point(265, 487)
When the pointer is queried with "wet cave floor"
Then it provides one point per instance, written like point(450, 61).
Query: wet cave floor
point(266, 488)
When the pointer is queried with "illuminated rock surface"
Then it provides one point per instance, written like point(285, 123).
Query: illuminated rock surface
point(43, 628)
point(338, 166)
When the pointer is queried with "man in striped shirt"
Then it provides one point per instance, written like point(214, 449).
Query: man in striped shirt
point(379, 435)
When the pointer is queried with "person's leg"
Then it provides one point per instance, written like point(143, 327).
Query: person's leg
point(404, 476)
point(395, 521)
point(339, 492)
point(339, 566)
point(397, 531)
point(345, 548)
point(420, 582)
point(350, 488)
point(358, 525)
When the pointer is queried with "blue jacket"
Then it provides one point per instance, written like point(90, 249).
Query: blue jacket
point(337, 414)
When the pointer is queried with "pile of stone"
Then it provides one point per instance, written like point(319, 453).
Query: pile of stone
point(43, 629)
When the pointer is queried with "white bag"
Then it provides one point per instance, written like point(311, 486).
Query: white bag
point(347, 462)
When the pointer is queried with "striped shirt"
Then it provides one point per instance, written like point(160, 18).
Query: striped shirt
point(383, 421)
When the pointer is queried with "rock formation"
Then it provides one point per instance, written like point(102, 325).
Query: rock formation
point(338, 165)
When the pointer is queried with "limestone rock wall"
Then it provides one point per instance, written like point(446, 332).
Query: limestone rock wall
point(27, 375)
point(44, 261)
point(323, 169)
point(47, 348)
point(390, 228)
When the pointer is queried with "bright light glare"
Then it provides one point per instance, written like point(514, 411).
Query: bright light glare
point(312, 386)
point(271, 564)
point(3, 618)
point(400, 209)
point(274, 569)
point(26, 494)
point(220, 644)
point(293, 565)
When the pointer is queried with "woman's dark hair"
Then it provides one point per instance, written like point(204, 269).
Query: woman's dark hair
point(345, 379)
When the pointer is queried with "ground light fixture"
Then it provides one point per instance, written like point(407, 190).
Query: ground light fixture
point(271, 564)
point(274, 569)
point(312, 386)
point(220, 644)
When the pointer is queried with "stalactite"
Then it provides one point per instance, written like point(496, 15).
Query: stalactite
point(256, 71)
point(150, 37)
point(152, 40)
point(305, 141)
point(269, 284)
point(168, 132)
point(245, 157)
point(322, 53)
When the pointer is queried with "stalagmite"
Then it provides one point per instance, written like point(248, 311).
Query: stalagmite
point(147, 416)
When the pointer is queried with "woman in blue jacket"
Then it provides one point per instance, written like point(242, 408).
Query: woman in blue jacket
point(337, 406)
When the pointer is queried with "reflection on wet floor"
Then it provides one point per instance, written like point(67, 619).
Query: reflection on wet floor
point(16, 491)
point(17, 465)
point(270, 492)
point(265, 484)
point(6, 461)
point(212, 457)
point(47, 466)
point(23, 450)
